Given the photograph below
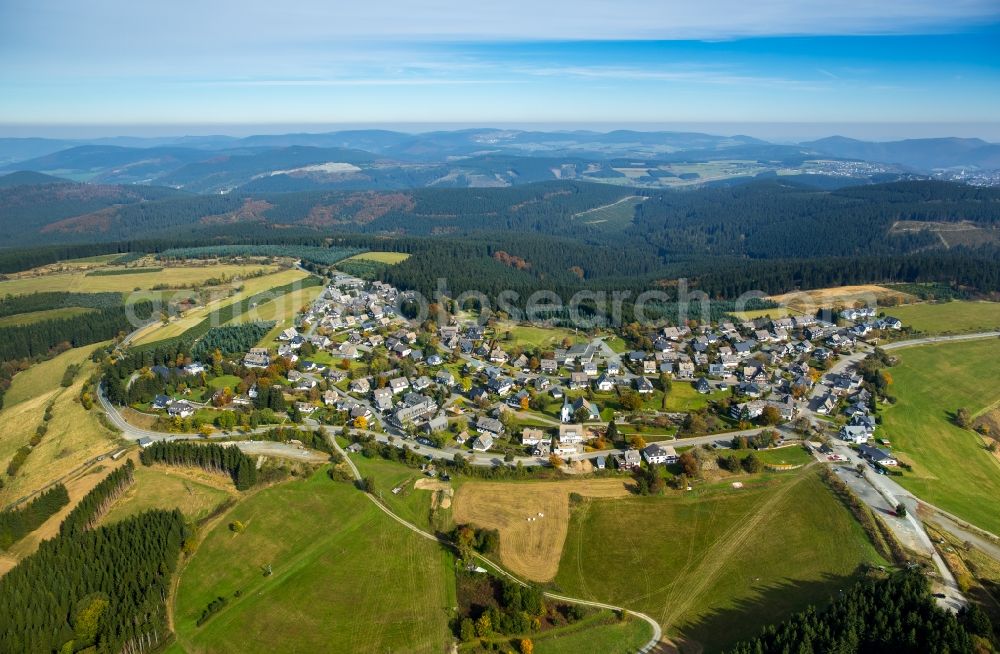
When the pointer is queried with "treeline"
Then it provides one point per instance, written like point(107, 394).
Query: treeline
point(18, 523)
point(322, 255)
point(896, 614)
point(100, 590)
point(13, 305)
point(231, 339)
point(315, 439)
point(960, 268)
point(19, 259)
point(111, 272)
point(214, 458)
point(95, 504)
point(37, 339)
point(465, 266)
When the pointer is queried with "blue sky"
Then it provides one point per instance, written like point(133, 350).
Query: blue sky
point(915, 67)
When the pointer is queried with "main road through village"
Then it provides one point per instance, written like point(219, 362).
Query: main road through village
point(881, 493)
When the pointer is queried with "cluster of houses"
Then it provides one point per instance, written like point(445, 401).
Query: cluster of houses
point(865, 322)
point(765, 362)
point(174, 408)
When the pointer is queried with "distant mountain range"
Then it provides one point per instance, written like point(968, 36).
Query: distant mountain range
point(920, 154)
point(387, 160)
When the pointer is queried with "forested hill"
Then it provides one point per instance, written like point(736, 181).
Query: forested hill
point(31, 202)
point(774, 219)
point(766, 218)
point(82, 213)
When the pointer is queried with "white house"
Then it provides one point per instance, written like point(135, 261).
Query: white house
point(483, 442)
point(570, 434)
point(531, 436)
point(657, 453)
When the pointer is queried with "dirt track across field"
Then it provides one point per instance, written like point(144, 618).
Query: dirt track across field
point(532, 518)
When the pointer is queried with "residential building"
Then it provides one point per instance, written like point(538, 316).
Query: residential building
point(656, 453)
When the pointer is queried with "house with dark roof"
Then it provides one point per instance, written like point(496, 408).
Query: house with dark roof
point(877, 455)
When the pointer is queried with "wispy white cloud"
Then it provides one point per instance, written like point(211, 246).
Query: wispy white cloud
point(374, 81)
point(221, 24)
point(687, 74)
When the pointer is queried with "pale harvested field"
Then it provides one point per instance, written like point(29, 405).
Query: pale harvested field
point(529, 548)
point(824, 298)
point(74, 435)
point(189, 319)
point(282, 311)
point(390, 258)
point(43, 378)
point(173, 277)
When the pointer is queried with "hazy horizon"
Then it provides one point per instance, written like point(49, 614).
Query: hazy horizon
point(779, 132)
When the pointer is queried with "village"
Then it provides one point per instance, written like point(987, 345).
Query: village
point(473, 388)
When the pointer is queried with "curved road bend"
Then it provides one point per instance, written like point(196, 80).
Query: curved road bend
point(134, 433)
point(650, 646)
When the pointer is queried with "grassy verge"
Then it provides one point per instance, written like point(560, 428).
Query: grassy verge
point(951, 467)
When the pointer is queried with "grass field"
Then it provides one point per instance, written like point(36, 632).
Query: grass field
point(88, 261)
point(43, 378)
point(718, 563)
point(191, 318)
point(411, 504)
point(532, 518)
point(599, 632)
point(682, 398)
point(602, 633)
point(390, 258)
point(544, 337)
point(40, 316)
point(951, 467)
point(793, 455)
point(949, 317)
point(346, 578)
point(616, 344)
point(79, 282)
point(74, 434)
point(194, 492)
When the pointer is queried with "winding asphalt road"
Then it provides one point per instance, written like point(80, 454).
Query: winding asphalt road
point(888, 489)
point(888, 493)
point(650, 646)
point(262, 447)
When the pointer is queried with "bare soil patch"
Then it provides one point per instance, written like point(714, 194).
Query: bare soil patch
point(532, 518)
point(441, 492)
